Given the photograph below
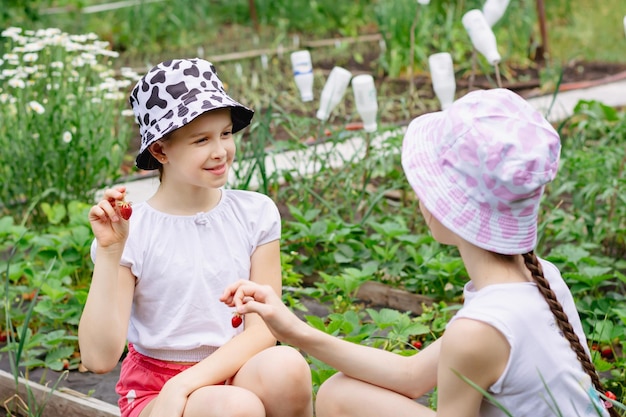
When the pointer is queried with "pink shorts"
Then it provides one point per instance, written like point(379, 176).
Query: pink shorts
point(141, 380)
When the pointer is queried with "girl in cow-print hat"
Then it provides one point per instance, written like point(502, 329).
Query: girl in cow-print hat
point(158, 276)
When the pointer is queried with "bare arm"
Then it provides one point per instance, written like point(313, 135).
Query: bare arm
point(104, 322)
point(411, 376)
point(475, 351)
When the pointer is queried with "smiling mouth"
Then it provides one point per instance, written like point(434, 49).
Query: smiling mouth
point(219, 170)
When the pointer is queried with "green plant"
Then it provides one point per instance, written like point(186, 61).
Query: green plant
point(18, 339)
point(46, 273)
point(591, 179)
point(61, 126)
point(408, 27)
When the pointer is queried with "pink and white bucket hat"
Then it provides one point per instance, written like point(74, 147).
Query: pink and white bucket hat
point(480, 167)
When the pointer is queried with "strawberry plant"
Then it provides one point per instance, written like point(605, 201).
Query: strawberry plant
point(46, 280)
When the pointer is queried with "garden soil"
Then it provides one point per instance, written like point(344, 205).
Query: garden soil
point(575, 76)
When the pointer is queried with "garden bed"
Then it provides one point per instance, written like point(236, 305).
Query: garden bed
point(80, 394)
point(61, 401)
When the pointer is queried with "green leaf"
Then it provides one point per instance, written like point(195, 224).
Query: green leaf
point(55, 213)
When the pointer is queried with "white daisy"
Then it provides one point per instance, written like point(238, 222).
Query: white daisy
point(36, 107)
point(17, 83)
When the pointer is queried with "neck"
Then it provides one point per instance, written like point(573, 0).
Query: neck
point(184, 201)
point(487, 268)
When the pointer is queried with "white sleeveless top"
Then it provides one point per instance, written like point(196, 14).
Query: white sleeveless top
point(541, 365)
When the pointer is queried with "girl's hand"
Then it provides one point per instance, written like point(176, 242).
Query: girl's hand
point(169, 402)
point(250, 297)
point(108, 226)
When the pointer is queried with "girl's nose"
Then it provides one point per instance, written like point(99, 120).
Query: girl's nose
point(219, 150)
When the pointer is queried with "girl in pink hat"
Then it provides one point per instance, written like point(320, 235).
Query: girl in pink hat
point(479, 169)
point(159, 274)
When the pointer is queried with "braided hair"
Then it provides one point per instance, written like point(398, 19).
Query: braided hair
point(533, 265)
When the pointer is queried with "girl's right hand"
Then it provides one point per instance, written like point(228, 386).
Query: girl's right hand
point(250, 297)
point(108, 226)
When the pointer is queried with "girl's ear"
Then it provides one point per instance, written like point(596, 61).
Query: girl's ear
point(158, 152)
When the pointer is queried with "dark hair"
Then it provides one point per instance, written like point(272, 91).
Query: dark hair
point(532, 263)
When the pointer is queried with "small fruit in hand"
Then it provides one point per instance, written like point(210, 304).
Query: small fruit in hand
point(236, 320)
point(126, 209)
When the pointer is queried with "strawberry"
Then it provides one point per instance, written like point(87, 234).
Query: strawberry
point(28, 296)
point(417, 344)
point(236, 320)
point(606, 352)
point(125, 209)
point(610, 395)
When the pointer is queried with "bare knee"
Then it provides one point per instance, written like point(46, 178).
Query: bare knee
point(231, 402)
point(281, 378)
point(294, 370)
point(290, 380)
point(331, 399)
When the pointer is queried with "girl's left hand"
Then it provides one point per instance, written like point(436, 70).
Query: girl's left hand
point(169, 403)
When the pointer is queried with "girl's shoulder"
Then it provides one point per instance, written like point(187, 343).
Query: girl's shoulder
point(247, 197)
point(249, 202)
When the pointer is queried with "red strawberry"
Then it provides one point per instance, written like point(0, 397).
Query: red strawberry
point(125, 209)
point(606, 352)
point(417, 344)
point(610, 395)
point(28, 296)
point(236, 320)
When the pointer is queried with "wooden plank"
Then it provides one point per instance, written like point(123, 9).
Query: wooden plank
point(61, 402)
point(383, 295)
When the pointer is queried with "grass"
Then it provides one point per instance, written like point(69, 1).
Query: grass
point(586, 30)
point(576, 28)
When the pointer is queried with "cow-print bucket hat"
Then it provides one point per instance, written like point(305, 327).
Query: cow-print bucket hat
point(172, 94)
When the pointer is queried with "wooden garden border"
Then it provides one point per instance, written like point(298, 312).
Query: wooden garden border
point(58, 402)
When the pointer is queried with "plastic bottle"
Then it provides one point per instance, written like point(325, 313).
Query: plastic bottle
point(481, 35)
point(365, 99)
point(303, 73)
point(442, 77)
point(494, 10)
point(333, 91)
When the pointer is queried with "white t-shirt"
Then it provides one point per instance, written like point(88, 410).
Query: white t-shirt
point(543, 373)
point(182, 265)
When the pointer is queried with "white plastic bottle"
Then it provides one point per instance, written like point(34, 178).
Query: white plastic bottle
point(365, 99)
point(442, 77)
point(333, 91)
point(303, 73)
point(481, 35)
point(494, 10)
